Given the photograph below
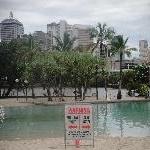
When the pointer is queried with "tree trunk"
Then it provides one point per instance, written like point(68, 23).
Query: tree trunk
point(32, 89)
point(96, 74)
point(80, 92)
point(60, 87)
point(119, 95)
point(103, 47)
point(84, 91)
point(95, 46)
point(106, 91)
point(75, 92)
point(3, 94)
point(9, 90)
point(49, 94)
point(1, 85)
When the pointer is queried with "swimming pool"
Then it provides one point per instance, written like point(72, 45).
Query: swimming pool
point(116, 119)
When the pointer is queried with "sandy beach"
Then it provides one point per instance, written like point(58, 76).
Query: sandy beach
point(101, 143)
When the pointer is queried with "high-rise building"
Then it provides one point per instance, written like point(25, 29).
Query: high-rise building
point(11, 29)
point(79, 32)
point(40, 40)
point(144, 50)
point(62, 28)
point(49, 40)
point(82, 35)
point(0, 32)
point(52, 31)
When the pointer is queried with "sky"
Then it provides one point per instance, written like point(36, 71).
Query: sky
point(128, 17)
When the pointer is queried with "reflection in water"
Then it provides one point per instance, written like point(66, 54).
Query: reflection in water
point(120, 119)
point(33, 121)
point(2, 116)
point(123, 119)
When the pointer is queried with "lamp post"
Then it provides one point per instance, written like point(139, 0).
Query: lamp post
point(17, 81)
point(26, 84)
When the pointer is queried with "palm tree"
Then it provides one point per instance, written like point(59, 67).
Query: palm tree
point(65, 44)
point(103, 35)
point(118, 45)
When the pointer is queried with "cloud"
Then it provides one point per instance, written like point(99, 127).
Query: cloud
point(128, 17)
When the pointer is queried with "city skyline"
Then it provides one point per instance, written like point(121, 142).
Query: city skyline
point(130, 18)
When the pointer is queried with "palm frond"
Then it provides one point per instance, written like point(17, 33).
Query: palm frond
point(64, 44)
point(128, 53)
point(93, 32)
point(57, 47)
point(58, 40)
point(133, 49)
point(126, 40)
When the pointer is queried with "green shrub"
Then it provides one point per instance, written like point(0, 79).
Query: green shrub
point(143, 90)
point(132, 86)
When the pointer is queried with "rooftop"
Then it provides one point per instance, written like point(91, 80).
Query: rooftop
point(11, 20)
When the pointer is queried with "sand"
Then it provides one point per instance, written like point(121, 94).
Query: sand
point(11, 102)
point(101, 143)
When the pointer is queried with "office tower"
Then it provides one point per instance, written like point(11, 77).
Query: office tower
point(40, 40)
point(11, 28)
point(79, 32)
point(52, 31)
point(144, 50)
point(82, 35)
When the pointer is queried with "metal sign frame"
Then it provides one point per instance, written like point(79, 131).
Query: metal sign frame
point(78, 124)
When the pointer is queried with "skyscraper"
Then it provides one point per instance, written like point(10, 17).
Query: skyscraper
point(82, 35)
point(79, 32)
point(40, 39)
point(56, 30)
point(11, 29)
point(144, 50)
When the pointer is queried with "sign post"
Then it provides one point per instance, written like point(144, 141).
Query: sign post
point(79, 124)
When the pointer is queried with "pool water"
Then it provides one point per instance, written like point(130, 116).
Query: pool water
point(117, 119)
